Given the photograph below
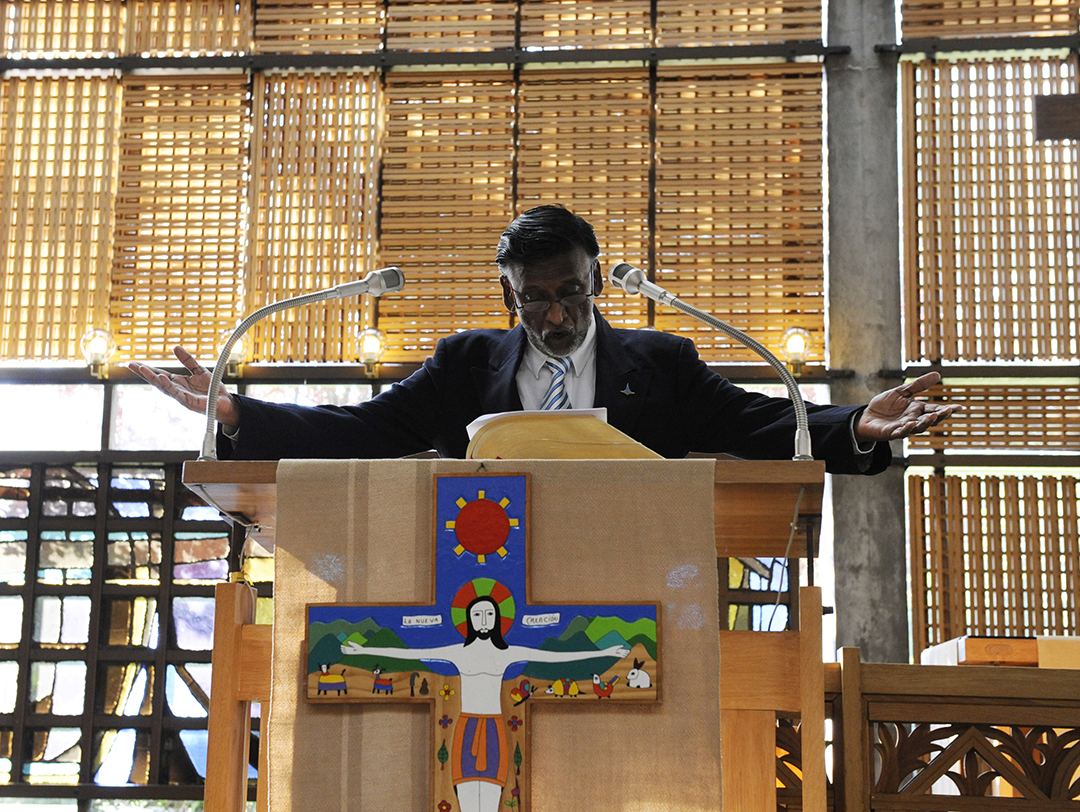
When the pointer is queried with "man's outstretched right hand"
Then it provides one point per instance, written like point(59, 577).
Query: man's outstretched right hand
point(189, 390)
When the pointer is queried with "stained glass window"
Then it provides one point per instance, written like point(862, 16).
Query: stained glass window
point(113, 570)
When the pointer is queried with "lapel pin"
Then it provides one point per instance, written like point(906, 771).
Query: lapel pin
point(627, 390)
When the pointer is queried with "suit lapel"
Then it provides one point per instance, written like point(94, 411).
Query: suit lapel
point(497, 384)
point(621, 387)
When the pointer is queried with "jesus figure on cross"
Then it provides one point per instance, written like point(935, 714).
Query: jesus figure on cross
point(482, 660)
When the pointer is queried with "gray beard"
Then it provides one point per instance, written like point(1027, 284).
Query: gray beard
point(536, 340)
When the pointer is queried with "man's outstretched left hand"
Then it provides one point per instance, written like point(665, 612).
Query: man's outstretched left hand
point(896, 414)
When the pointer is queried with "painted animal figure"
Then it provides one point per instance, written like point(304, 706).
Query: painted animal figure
point(637, 678)
point(331, 682)
point(382, 685)
point(522, 692)
point(564, 687)
point(603, 689)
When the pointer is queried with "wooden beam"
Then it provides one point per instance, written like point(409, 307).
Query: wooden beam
point(230, 715)
point(748, 759)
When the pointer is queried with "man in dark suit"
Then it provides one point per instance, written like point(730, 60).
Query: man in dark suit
point(562, 354)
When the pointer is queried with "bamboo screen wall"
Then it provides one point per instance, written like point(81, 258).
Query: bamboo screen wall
point(96, 27)
point(1006, 416)
point(990, 277)
point(313, 168)
point(987, 18)
point(188, 27)
point(82, 27)
point(180, 213)
point(447, 175)
point(56, 165)
point(706, 22)
point(467, 25)
point(202, 234)
point(739, 201)
point(584, 142)
point(994, 555)
point(301, 26)
point(572, 24)
point(991, 221)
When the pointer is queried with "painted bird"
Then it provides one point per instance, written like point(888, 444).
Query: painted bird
point(603, 689)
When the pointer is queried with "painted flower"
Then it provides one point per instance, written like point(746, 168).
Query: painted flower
point(446, 692)
point(445, 721)
point(514, 723)
point(444, 806)
point(515, 798)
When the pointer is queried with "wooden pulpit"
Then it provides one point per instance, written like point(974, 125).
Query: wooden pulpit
point(754, 506)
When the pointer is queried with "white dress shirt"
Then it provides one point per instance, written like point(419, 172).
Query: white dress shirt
point(534, 376)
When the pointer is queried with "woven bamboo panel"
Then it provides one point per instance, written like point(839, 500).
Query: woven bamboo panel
point(1004, 415)
point(735, 22)
point(990, 217)
point(447, 164)
point(558, 24)
point(57, 153)
point(987, 18)
point(180, 225)
point(467, 25)
point(60, 28)
point(994, 556)
point(739, 202)
point(313, 154)
point(584, 143)
point(301, 26)
point(188, 27)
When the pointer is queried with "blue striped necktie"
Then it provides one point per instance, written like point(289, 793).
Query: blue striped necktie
point(556, 397)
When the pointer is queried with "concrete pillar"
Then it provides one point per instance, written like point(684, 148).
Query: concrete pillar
point(864, 319)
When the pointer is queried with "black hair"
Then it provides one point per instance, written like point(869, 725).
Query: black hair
point(496, 630)
point(541, 233)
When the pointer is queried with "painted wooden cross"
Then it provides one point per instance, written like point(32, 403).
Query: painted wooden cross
point(479, 652)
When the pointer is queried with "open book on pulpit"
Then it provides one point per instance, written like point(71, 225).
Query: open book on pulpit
point(575, 434)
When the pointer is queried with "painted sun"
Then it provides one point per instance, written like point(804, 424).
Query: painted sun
point(482, 526)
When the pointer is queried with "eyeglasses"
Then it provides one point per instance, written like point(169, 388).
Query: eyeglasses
point(541, 306)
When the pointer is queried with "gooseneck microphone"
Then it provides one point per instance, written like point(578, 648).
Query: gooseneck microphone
point(633, 280)
point(376, 283)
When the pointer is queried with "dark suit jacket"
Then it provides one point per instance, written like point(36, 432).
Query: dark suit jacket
point(677, 405)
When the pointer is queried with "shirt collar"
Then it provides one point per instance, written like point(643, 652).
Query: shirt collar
point(534, 360)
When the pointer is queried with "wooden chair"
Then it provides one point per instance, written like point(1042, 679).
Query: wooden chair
point(762, 674)
point(929, 737)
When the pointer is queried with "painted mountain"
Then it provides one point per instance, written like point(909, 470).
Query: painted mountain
point(325, 639)
point(593, 634)
point(340, 629)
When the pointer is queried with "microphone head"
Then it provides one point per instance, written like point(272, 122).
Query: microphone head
point(385, 280)
point(626, 277)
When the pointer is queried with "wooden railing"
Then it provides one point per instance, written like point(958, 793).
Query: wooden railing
point(916, 738)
